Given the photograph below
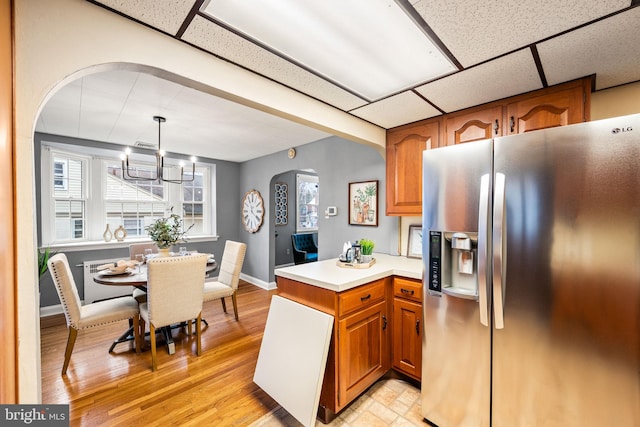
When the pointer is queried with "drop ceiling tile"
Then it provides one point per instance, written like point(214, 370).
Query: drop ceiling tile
point(58, 121)
point(219, 41)
point(155, 92)
point(477, 30)
point(405, 107)
point(62, 111)
point(166, 15)
point(507, 76)
point(609, 48)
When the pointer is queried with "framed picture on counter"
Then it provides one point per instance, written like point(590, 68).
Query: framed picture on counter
point(363, 203)
point(414, 246)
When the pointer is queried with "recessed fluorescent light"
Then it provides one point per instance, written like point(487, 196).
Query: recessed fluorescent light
point(370, 47)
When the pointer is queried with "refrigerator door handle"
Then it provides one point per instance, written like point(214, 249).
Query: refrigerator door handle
point(483, 214)
point(499, 250)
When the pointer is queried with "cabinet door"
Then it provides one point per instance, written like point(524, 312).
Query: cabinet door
point(404, 165)
point(474, 125)
point(558, 108)
point(407, 337)
point(363, 346)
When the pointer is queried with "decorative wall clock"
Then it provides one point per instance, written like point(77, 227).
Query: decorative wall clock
point(252, 210)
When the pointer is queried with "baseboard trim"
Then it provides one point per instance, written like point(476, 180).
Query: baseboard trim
point(259, 283)
point(52, 320)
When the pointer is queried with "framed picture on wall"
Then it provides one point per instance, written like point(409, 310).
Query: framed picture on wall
point(363, 203)
point(414, 246)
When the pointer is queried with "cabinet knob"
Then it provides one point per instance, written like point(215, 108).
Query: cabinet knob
point(512, 123)
point(384, 322)
point(406, 291)
point(418, 327)
point(364, 298)
point(496, 127)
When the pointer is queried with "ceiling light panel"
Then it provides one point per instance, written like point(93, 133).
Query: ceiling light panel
point(370, 47)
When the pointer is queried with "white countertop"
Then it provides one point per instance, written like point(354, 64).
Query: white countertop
point(326, 274)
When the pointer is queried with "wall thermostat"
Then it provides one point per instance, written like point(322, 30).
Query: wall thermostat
point(331, 211)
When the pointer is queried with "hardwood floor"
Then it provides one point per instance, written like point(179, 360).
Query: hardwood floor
point(119, 389)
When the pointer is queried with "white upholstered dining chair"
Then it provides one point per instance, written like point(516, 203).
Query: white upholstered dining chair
point(174, 295)
point(81, 317)
point(137, 249)
point(226, 284)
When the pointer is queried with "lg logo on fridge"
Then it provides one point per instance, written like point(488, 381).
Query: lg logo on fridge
point(620, 130)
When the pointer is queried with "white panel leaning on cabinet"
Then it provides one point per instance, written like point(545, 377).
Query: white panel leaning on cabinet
point(294, 350)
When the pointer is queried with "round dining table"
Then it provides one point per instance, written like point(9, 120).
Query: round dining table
point(137, 277)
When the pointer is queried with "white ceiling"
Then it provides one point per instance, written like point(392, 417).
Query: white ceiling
point(501, 48)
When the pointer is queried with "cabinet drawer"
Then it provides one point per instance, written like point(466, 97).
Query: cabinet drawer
point(407, 288)
point(361, 297)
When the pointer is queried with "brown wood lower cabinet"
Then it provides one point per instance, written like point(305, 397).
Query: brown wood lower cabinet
point(407, 326)
point(361, 350)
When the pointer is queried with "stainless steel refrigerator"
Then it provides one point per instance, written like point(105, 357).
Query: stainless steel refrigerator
point(531, 246)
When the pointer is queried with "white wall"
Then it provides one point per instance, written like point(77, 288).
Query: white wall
point(617, 101)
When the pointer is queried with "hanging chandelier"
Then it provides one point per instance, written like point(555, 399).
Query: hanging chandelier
point(128, 175)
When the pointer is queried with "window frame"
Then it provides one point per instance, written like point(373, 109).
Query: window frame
point(308, 179)
point(48, 203)
point(95, 161)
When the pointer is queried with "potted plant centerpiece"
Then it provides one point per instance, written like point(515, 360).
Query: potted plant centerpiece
point(366, 250)
point(166, 232)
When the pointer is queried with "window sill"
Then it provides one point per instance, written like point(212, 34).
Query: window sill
point(114, 244)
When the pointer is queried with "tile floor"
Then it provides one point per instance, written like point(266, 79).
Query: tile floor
point(389, 402)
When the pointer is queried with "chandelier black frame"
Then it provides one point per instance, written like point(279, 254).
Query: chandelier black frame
point(128, 176)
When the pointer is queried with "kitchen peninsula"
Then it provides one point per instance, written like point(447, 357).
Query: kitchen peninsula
point(377, 321)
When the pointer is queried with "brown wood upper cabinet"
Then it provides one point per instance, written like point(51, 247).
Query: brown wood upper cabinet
point(404, 165)
point(555, 107)
point(559, 105)
point(468, 126)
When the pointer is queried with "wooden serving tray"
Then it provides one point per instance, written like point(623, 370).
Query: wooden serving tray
point(355, 265)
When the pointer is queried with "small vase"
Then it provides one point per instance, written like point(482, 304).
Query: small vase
point(107, 235)
point(163, 252)
point(120, 234)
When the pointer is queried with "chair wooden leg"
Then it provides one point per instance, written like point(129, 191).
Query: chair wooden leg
point(235, 304)
point(141, 333)
point(224, 305)
point(136, 333)
point(198, 334)
point(71, 340)
point(189, 327)
point(152, 334)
